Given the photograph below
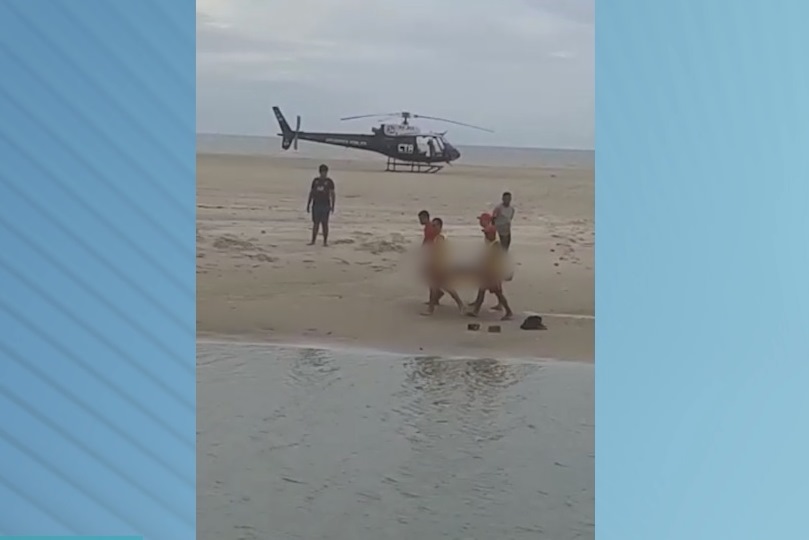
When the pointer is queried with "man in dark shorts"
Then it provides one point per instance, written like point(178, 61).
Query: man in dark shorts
point(321, 204)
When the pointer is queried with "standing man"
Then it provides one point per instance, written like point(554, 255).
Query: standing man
point(321, 204)
point(503, 215)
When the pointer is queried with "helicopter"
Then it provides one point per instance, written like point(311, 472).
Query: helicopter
point(407, 148)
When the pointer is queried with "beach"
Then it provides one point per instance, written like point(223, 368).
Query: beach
point(258, 280)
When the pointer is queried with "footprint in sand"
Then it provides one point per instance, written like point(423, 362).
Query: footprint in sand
point(379, 246)
point(232, 243)
point(263, 257)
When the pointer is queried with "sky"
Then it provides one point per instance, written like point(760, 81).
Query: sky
point(523, 68)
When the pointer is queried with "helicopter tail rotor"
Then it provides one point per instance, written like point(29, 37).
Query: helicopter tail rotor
point(288, 136)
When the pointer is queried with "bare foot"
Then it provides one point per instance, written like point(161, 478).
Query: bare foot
point(471, 314)
point(498, 307)
point(507, 317)
point(426, 313)
point(310, 244)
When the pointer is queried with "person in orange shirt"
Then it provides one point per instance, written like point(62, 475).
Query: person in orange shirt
point(429, 235)
point(429, 230)
point(491, 276)
point(438, 270)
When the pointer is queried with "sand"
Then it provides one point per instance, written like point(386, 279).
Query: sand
point(257, 279)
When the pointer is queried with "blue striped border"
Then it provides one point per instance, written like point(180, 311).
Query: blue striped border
point(97, 268)
point(702, 271)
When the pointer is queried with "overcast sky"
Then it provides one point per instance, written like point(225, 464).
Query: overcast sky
point(524, 68)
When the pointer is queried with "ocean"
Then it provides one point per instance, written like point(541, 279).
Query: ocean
point(298, 443)
point(492, 156)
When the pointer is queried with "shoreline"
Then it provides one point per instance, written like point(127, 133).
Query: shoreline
point(296, 342)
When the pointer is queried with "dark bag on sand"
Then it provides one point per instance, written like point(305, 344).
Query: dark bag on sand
point(533, 322)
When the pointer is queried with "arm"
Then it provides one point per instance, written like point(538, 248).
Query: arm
point(332, 196)
point(311, 196)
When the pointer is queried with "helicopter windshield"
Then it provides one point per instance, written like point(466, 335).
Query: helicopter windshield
point(449, 151)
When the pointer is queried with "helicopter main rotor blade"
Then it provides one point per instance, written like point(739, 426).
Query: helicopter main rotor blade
point(452, 122)
point(370, 116)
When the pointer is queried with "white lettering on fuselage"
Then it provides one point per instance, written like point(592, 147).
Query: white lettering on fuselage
point(346, 142)
point(394, 130)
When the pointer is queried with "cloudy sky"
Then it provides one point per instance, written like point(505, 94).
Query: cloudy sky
point(524, 68)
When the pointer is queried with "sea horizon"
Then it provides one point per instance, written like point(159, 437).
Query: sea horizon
point(475, 155)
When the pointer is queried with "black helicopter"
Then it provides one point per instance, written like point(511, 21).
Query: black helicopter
point(406, 147)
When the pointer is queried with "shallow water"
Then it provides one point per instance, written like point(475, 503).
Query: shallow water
point(314, 444)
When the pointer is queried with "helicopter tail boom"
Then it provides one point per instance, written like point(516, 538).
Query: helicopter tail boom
point(289, 137)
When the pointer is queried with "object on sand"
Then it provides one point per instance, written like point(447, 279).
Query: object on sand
point(473, 326)
point(494, 329)
point(533, 322)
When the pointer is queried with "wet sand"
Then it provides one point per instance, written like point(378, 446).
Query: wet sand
point(315, 444)
point(258, 280)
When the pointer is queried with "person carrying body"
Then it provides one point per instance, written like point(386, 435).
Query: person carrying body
point(437, 268)
point(491, 275)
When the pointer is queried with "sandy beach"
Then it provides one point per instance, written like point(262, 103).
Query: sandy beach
point(258, 280)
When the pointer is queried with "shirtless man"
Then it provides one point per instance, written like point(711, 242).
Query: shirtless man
point(486, 222)
point(437, 270)
point(491, 277)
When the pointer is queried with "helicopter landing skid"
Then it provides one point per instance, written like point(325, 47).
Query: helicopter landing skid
point(395, 165)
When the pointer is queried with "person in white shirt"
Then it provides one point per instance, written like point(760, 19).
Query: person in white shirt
point(503, 215)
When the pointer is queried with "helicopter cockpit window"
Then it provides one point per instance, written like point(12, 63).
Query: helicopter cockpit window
point(439, 143)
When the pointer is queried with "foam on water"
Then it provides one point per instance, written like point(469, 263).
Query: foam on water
point(309, 443)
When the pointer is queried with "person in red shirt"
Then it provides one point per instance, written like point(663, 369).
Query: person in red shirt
point(430, 233)
point(437, 268)
point(429, 229)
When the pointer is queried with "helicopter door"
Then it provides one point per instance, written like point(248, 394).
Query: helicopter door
point(428, 145)
point(422, 145)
